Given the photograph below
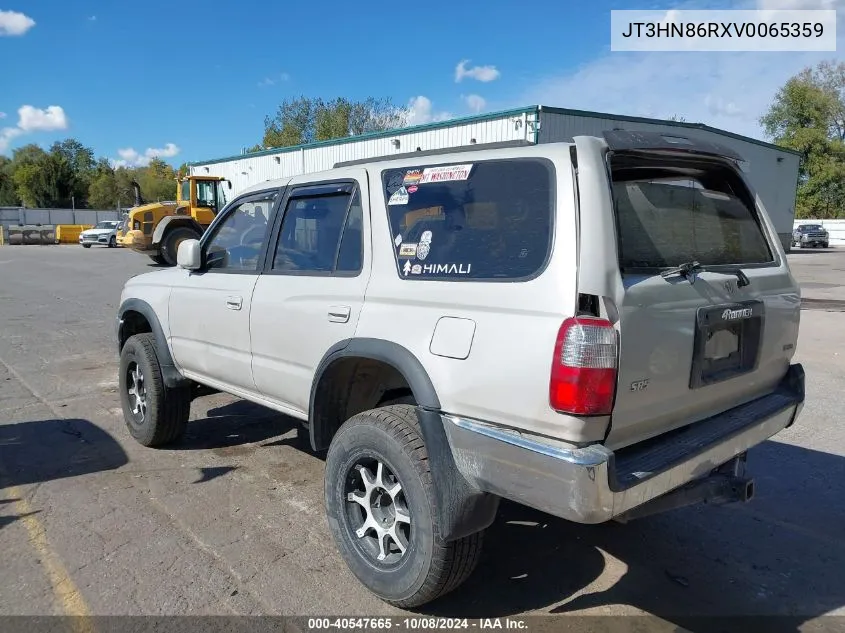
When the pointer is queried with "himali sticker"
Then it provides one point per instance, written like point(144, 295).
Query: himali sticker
point(408, 250)
point(424, 247)
point(412, 177)
point(446, 269)
point(444, 174)
point(399, 197)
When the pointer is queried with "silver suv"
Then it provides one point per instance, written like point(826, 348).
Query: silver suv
point(599, 329)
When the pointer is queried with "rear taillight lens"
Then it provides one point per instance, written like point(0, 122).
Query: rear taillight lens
point(583, 379)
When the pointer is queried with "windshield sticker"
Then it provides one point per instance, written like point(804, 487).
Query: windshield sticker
point(424, 247)
point(399, 197)
point(412, 177)
point(408, 250)
point(416, 269)
point(412, 189)
point(443, 174)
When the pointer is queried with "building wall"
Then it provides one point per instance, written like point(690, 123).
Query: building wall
point(774, 180)
point(247, 170)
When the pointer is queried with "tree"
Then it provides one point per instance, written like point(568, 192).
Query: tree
point(808, 115)
point(8, 195)
point(678, 118)
point(102, 192)
point(307, 119)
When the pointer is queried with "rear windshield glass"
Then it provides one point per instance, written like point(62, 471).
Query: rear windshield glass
point(484, 220)
point(670, 215)
point(810, 227)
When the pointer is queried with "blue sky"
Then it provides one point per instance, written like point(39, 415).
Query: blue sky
point(189, 81)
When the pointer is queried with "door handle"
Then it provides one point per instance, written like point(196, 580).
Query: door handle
point(234, 303)
point(339, 314)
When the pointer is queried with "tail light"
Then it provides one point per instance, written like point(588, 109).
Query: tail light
point(583, 377)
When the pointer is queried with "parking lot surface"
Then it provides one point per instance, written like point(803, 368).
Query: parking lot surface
point(231, 521)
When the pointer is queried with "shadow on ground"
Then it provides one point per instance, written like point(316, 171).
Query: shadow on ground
point(779, 555)
point(40, 451)
point(238, 423)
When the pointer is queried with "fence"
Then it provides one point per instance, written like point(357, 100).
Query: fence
point(836, 229)
point(14, 217)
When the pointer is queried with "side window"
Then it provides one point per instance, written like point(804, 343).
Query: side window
point(321, 233)
point(237, 240)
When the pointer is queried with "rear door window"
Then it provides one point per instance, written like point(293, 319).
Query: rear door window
point(489, 220)
point(669, 214)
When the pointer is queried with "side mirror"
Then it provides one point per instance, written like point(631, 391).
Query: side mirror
point(189, 255)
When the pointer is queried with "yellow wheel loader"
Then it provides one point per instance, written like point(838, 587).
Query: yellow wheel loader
point(156, 229)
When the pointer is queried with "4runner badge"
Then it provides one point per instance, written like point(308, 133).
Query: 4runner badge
point(730, 315)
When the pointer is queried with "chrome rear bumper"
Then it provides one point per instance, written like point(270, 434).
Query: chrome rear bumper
point(594, 484)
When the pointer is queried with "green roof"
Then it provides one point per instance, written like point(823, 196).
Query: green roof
point(487, 117)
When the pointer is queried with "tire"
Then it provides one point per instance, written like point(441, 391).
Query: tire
point(112, 242)
point(158, 259)
point(171, 241)
point(429, 567)
point(164, 415)
point(86, 246)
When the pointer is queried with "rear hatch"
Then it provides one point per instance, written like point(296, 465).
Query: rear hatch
point(707, 308)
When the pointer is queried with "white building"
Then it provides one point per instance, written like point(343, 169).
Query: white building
point(772, 170)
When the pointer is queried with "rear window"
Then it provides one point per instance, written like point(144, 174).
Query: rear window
point(485, 220)
point(669, 215)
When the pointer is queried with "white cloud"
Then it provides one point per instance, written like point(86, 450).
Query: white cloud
point(14, 23)
point(725, 90)
point(92, 18)
point(421, 110)
point(2, 115)
point(129, 157)
point(480, 73)
point(475, 103)
point(32, 119)
point(6, 136)
point(35, 119)
point(272, 81)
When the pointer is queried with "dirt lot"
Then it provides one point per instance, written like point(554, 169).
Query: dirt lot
point(231, 520)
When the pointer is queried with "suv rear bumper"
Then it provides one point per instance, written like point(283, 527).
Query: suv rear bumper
point(594, 484)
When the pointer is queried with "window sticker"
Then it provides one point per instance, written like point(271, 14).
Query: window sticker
point(446, 269)
point(408, 250)
point(400, 196)
point(412, 177)
point(398, 240)
point(412, 189)
point(444, 174)
point(424, 247)
point(416, 269)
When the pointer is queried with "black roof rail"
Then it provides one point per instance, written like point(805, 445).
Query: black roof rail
point(435, 152)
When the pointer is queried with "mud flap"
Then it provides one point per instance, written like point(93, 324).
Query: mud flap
point(461, 508)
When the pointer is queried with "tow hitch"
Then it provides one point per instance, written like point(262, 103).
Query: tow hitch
point(726, 484)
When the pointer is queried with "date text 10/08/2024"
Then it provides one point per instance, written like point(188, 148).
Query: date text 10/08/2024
point(410, 624)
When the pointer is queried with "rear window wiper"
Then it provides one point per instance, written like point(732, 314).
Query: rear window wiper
point(687, 270)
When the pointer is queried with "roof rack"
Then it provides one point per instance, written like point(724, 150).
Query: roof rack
point(475, 147)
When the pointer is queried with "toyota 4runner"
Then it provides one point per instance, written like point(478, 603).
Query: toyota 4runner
point(600, 330)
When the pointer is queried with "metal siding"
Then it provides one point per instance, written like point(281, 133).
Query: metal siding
point(246, 171)
point(775, 182)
